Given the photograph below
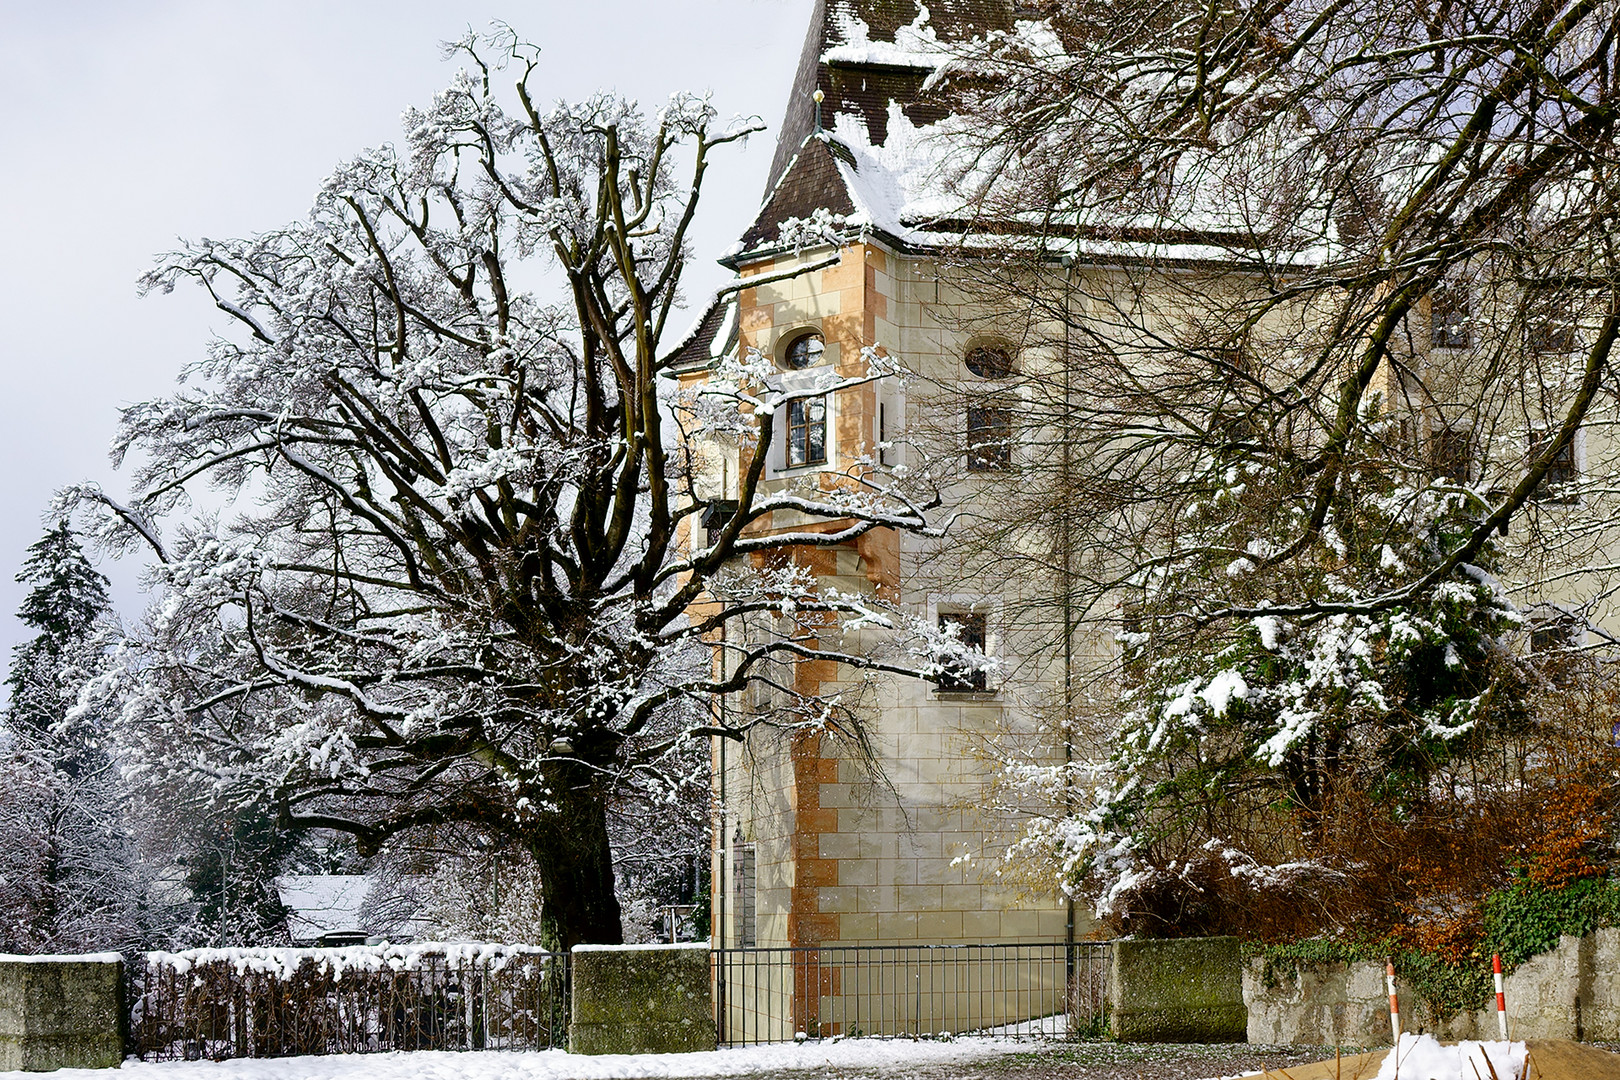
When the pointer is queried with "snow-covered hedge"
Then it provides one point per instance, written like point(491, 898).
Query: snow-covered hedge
point(284, 963)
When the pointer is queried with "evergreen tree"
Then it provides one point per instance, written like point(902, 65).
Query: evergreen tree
point(68, 880)
point(67, 608)
point(232, 878)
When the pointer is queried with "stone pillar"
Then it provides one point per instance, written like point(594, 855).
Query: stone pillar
point(1178, 990)
point(641, 999)
point(61, 1012)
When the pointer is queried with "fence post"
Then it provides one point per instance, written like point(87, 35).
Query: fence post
point(61, 1012)
point(1178, 990)
point(641, 999)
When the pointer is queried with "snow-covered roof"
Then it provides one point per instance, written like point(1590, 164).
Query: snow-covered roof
point(321, 904)
point(888, 158)
point(713, 334)
point(863, 54)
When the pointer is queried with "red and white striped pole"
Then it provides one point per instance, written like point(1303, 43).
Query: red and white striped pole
point(1394, 1009)
point(1501, 998)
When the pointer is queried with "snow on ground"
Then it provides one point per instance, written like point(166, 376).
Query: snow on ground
point(1424, 1056)
point(880, 1054)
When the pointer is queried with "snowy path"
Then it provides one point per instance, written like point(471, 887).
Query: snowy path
point(862, 1059)
point(863, 1055)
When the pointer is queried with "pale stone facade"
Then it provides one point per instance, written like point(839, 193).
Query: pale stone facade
point(838, 857)
point(812, 850)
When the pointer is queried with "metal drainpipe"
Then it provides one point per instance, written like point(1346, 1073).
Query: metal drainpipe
point(1068, 598)
point(718, 930)
point(723, 878)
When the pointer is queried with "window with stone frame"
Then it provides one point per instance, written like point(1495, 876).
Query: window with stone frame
point(1451, 454)
point(716, 516)
point(804, 351)
point(1234, 373)
point(1550, 335)
point(807, 431)
point(1555, 634)
point(991, 361)
point(973, 634)
point(989, 438)
point(1556, 638)
point(1557, 484)
point(1450, 317)
point(1133, 661)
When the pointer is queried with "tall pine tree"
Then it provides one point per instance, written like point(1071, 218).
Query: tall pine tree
point(67, 877)
point(68, 608)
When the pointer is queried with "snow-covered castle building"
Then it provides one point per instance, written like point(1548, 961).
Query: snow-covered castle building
point(811, 852)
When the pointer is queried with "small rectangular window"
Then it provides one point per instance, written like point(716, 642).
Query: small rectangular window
point(1232, 360)
point(1451, 455)
point(1550, 336)
point(989, 438)
point(1555, 485)
point(744, 891)
point(1449, 317)
point(716, 516)
point(1133, 662)
point(1556, 634)
point(807, 431)
point(972, 635)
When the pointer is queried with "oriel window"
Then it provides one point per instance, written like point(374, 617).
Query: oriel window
point(807, 431)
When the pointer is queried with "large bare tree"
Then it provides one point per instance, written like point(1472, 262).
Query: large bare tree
point(453, 574)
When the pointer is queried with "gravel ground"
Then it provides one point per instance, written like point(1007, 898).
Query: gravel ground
point(1093, 1061)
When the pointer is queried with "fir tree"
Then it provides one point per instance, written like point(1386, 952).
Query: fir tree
point(67, 881)
point(66, 606)
point(232, 878)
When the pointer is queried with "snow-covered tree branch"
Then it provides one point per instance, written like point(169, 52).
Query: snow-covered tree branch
point(1330, 437)
point(456, 581)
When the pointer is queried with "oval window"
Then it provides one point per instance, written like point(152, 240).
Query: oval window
point(804, 350)
point(990, 361)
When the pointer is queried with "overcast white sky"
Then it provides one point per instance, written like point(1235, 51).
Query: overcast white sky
point(126, 125)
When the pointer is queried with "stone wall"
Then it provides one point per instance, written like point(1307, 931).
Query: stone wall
point(61, 1012)
point(1178, 990)
point(643, 999)
point(1570, 992)
point(1323, 1004)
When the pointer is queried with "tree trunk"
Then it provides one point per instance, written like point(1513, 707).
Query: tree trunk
point(579, 903)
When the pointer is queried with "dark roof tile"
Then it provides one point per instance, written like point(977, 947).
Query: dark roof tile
point(865, 90)
point(812, 183)
point(714, 335)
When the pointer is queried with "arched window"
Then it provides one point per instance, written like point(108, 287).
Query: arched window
point(804, 351)
point(989, 361)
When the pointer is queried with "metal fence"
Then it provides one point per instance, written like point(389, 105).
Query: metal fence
point(221, 1004)
point(274, 1003)
point(774, 994)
